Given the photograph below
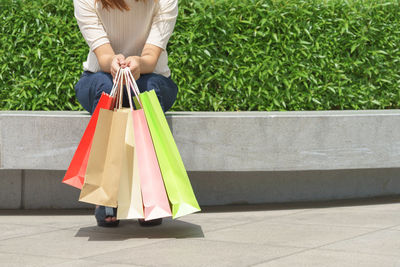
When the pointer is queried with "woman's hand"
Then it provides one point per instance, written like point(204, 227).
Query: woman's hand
point(146, 63)
point(117, 62)
point(133, 63)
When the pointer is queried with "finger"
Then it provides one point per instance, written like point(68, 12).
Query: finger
point(133, 68)
point(119, 57)
point(136, 75)
point(116, 63)
point(126, 64)
point(115, 66)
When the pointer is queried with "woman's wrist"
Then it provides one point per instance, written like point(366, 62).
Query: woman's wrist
point(136, 59)
point(146, 64)
point(135, 65)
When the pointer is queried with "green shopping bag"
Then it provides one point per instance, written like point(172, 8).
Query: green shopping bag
point(176, 180)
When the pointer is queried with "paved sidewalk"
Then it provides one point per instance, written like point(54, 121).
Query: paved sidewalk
point(352, 233)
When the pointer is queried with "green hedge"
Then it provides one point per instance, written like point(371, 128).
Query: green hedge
point(224, 55)
point(41, 54)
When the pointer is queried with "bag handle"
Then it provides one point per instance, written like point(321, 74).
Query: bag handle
point(128, 88)
point(131, 83)
point(121, 75)
point(121, 91)
point(114, 92)
point(115, 82)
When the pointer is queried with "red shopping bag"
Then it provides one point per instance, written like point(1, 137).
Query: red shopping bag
point(75, 174)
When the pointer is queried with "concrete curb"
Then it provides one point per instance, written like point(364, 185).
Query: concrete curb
point(231, 157)
point(231, 141)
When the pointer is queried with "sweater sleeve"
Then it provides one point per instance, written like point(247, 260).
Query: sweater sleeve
point(89, 23)
point(163, 23)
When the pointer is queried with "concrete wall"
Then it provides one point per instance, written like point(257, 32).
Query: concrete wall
point(42, 189)
point(224, 141)
point(231, 157)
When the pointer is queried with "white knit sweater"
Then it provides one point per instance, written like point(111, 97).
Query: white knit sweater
point(147, 21)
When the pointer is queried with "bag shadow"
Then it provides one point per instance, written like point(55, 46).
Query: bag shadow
point(129, 229)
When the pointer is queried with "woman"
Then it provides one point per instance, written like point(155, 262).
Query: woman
point(125, 33)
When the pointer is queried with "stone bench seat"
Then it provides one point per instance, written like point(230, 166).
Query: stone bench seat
point(224, 141)
point(234, 145)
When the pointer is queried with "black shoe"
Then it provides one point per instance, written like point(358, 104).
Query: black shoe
point(101, 214)
point(154, 222)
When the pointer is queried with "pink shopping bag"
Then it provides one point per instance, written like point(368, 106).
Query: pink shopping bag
point(155, 200)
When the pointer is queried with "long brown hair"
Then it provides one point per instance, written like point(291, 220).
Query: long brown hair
point(120, 4)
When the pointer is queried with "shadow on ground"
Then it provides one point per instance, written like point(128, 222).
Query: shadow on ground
point(243, 207)
point(129, 229)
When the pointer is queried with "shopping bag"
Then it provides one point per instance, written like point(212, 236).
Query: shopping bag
point(130, 203)
point(105, 160)
point(176, 180)
point(77, 168)
point(75, 174)
point(155, 201)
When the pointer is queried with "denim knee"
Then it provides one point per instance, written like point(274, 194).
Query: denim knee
point(165, 89)
point(103, 83)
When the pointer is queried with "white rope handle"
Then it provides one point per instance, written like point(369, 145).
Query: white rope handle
point(120, 91)
point(128, 87)
point(131, 81)
point(131, 84)
point(134, 83)
point(115, 82)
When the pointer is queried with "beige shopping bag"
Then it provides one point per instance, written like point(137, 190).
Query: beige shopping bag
point(130, 203)
point(105, 160)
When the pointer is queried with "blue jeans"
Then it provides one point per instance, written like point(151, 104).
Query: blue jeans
point(90, 86)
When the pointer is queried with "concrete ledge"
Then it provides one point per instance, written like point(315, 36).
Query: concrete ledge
point(42, 189)
point(224, 141)
point(231, 157)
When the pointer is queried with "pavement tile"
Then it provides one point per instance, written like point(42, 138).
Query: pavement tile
point(327, 258)
point(15, 230)
point(384, 242)
point(281, 235)
point(19, 260)
point(211, 221)
point(195, 252)
point(52, 221)
point(344, 216)
point(285, 234)
point(71, 244)
point(394, 207)
point(86, 263)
